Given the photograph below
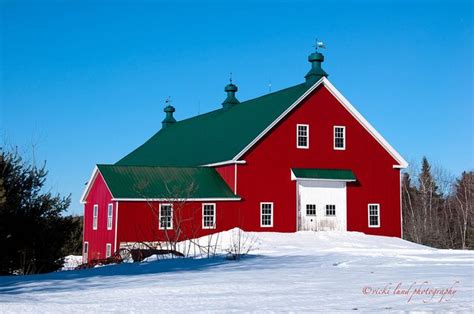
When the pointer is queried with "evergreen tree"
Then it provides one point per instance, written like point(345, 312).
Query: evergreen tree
point(32, 230)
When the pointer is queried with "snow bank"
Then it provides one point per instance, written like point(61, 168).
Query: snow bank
point(298, 272)
point(71, 262)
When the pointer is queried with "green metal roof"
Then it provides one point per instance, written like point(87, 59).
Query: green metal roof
point(324, 174)
point(215, 136)
point(164, 182)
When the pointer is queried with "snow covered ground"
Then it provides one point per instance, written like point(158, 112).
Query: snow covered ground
point(302, 272)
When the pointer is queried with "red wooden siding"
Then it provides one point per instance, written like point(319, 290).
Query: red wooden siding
point(266, 174)
point(227, 173)
point(138, 221)
point(98, 239)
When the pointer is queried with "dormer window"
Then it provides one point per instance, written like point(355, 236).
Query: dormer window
point(339, 137)
point(302, 136)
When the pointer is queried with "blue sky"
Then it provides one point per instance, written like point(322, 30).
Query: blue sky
point(85, 83)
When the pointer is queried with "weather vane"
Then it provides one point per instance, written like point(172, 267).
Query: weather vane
point(319, 44)
point(168, 100)
point(230, 77)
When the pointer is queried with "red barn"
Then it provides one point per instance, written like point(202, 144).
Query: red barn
point(302, 158)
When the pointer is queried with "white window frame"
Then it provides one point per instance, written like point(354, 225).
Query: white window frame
point(326, 210)
point(95, 216)
point(110, 215)
point(378, 215)
point(343, 137)
point(213, 226)
point(159, 217)
point(271, 214)
point(315, 210)
point(298, 136)
point(85, 252)
point(108, 250)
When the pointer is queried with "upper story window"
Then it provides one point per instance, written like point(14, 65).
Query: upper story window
point(266, 214)
point(374, 215)
point(340, 137)
point(166, 216)
point(110, 211)
point(95, 216)
point(330, 210)
point(208, 216)
point(302, 136)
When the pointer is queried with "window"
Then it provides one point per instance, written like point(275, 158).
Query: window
point(108, 250)
point(266, 214)
point(302, 136)
point(330, 210)
point(85, 253)
point(310, 209)
point(166, 216)
point(208, 216)
point(340, 137)
point(95, 215)
point(110, 209)
point(374, 215)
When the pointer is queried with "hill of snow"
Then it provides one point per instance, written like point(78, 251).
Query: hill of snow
point(299, 272)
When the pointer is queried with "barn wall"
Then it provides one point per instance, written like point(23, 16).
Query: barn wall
point(99, 194)
point(227, 173)
point(266, 175)
point(138, 220)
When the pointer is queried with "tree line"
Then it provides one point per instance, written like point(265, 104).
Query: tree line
point(438, 208)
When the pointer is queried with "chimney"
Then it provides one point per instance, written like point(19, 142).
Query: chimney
point(169, 119)
point(316, 72)
point(230, 101)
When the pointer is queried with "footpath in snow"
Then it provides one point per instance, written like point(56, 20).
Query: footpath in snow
point(299, 272)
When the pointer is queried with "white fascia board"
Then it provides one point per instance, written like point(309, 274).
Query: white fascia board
point(95, 172)
point(176, 200)
point(319, 179)
point(288, 110)
point(402, 162)
point(223, 163)
point(356, 114)
point(89, 185)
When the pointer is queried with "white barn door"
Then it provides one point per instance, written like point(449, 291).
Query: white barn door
point(322, 205)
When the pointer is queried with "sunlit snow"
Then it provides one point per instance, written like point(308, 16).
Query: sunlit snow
point(304, 271)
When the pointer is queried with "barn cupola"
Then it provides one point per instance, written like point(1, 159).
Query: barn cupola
point(231, 100)
point(316, 72)
point(169, 119)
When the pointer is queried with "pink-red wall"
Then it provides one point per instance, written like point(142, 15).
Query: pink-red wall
point(138, 221)
point(227, 173)
point(99, 194)
point(265, 177)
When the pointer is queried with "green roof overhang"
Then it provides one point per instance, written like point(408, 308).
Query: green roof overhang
point(322, 174)
point(165, 183)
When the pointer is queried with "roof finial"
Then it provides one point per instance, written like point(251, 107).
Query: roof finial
point(319, 44)
point(269, 86)
point(169, 119)
point(230, 89)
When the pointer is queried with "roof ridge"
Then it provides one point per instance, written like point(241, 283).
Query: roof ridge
point(241, 103)
point(148, 166)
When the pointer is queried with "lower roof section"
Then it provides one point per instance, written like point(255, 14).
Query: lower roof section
point(165, 183)
point(322, 174)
